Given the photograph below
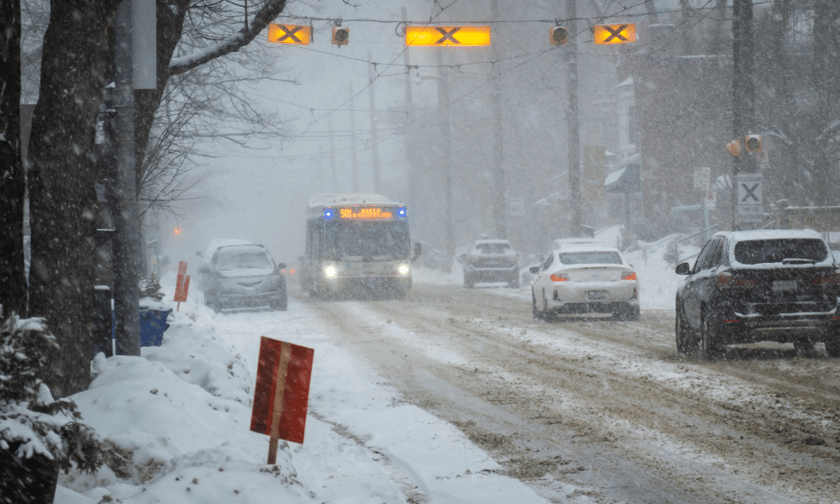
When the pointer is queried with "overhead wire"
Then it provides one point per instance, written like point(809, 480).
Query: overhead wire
point(530, 56)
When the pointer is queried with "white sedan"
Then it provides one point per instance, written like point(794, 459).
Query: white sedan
point(584, 280)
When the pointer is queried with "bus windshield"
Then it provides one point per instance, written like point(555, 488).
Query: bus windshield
point(380, 239)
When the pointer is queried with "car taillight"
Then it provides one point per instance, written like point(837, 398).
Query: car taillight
point(827, 281)
point(727, 280)
point(559, 278)
point(628, 275)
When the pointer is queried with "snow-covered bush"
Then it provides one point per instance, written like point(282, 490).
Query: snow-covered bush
point(31, 422)
point(150, 288)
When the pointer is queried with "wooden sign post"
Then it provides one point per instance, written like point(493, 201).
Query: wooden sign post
point(281, 395)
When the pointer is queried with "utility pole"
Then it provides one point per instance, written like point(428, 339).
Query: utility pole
point(126, 241)
point(573, 119)
point(353, 141)
point(332, 157)
point(743, 92)
point(374, 147)
point(500, 191)
point(446, 153)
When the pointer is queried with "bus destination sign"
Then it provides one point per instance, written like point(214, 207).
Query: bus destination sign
point(366, 213)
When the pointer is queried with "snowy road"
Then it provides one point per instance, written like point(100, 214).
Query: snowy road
point(607, 407)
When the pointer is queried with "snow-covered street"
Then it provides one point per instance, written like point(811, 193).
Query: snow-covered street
point(458, 395)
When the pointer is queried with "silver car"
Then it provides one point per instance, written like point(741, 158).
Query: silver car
point(242, 277)
point(582, 280)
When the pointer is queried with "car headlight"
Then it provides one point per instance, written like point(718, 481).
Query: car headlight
point(330, 271)
point(403, 269)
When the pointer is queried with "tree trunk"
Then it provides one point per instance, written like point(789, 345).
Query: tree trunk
point(12, 177)
point(62, 178)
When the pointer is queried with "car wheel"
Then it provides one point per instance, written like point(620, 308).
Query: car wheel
point(832, 345)
point(802, 346)
point(536, 311)
point(210, 302)
point(279, 305)
point(547, 314)
point(710, 345)
point(681, 330)
point(468, 282)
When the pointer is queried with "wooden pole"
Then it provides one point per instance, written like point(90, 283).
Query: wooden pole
point(280, 388)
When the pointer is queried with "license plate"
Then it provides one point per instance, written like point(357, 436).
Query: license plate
point(784, 285)
point(596, 294)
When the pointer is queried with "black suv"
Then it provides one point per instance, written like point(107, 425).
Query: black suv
point(748, 286)
point(243, 276)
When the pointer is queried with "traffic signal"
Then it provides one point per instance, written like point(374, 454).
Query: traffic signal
point(559, 35)
point(289, 34)
point(753, 143)
point(340, 36)
point(614, 34)
point(447, 36)
point(734, 147)
point(176, 231)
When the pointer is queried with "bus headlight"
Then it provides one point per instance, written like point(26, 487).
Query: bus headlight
point(403, 269)
point(331, 271)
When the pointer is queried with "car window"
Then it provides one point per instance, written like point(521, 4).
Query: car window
point(703, 258)
point(591, 257)
point(710, 255)
point(777, 250)
point(548, 261)
point(492, 248)
point(243, 259)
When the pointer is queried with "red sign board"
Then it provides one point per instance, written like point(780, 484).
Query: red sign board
point(281, 395)
point(184, 290)
point(179, 283)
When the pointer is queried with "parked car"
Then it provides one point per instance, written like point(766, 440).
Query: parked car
point(749, 286)
point(491, 261)
point(583, 279)
point(243, 276)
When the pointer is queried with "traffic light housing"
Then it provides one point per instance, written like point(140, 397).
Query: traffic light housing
point(559, 35)
point(753, 143)
point(340, 35)
point(734, 148)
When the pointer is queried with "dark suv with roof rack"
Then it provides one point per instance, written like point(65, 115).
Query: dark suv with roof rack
point(749, 286)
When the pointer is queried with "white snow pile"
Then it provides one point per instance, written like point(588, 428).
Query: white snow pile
point(181, 414)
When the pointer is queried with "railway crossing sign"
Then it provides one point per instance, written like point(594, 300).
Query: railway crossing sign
point(750, 198)
point(289, 34)
point(447, 36)
point(614, 34)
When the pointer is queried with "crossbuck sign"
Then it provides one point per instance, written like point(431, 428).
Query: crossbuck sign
point(750, 199)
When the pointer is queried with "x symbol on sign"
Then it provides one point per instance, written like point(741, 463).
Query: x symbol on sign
point(290, 33)
point(447, 35)
point(616, 33)
point(750, 192)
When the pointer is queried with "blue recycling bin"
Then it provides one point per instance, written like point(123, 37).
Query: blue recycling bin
point(152, 325)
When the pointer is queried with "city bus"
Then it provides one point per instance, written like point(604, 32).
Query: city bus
point(358, 245)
